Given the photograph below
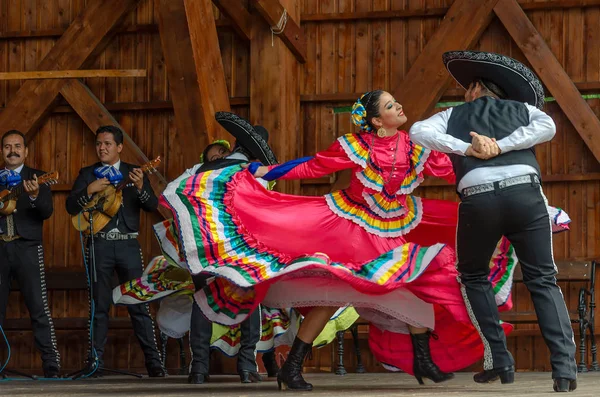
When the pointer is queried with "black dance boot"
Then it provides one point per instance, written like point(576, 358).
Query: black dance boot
point(564, 385)
point(505, 374)
point(270, 364)
point(250, 376)
point(290, 374)
point(423, 365)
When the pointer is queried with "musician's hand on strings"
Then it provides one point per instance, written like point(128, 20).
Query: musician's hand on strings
point(32, 187)
point(97, 186)
point(137, 177)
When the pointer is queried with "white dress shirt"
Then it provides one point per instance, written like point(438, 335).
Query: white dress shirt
point(116, 165)
point(431, 133)
point(18, 169)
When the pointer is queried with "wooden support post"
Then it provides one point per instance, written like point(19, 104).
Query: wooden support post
point(209, 65)
point(427, 78)
point(95, 115)
point(551, 72)
point(238, 15)
point(188, 103)
point(84, 36)
point(292, 35)
point(274, 92)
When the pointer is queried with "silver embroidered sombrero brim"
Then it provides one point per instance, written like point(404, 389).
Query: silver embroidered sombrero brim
point(252, 138)
point(517, 80)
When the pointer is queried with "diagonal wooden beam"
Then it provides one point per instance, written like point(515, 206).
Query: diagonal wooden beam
point(238, 15)
point(208, 63)
point(551, 72)
point(427, 79)
point(94, 114)
point(27, 108)
point(292, 35)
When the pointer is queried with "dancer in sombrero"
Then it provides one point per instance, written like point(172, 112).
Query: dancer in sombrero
point(491, 140)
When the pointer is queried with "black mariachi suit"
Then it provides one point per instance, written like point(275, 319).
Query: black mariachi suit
point(520, 213)
point(124, 256)
point(23, 259)
point(201, 327)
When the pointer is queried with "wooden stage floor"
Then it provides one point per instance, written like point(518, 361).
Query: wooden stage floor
point(527, 384)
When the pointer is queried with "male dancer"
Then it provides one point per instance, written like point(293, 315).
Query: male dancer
point(490, 140)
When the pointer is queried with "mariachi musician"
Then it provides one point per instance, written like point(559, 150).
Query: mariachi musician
point(115, 245)
point(21, 244)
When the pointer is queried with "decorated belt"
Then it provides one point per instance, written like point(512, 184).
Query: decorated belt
point(503, 184)
point(112, 236)
point(7, 239)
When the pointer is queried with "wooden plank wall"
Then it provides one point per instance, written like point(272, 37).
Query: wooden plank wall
point(344, 57)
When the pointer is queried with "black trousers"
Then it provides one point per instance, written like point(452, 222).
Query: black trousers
point(201, 332)
point(24, 261)
point(124, 257)
point(519, 213)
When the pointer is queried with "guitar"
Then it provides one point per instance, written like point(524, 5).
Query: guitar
point(108, 202)
point(9, 197)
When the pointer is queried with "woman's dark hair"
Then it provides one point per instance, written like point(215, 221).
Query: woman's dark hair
point(371, 103)
point(205, 152)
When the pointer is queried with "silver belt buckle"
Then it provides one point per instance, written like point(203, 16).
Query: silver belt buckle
point(111, 236)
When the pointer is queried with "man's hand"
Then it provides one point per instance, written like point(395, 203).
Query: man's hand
point(260, 171)
point(482, 147)
point(32, 187)
point(137, 177)
point(97, 186)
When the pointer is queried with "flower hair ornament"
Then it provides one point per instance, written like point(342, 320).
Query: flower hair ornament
point(359, 114)
point(221, 142)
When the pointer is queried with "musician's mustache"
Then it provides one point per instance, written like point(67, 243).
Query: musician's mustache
point(13, 154)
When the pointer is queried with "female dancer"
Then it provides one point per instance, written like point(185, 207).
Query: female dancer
point(373, 245)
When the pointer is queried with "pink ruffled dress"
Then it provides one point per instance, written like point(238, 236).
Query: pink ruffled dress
point(374, 246)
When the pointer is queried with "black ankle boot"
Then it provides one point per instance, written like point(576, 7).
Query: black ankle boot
point(270, 364)
point(250, 376)
point(564, 385)
point(290, 374)
point(505, 374)
point(196, 378)
point(423, 365)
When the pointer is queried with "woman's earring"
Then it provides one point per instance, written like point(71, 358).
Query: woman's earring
point(381, 132)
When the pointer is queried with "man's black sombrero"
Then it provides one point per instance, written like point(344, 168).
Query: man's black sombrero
point(517, 80)
point(252, 138)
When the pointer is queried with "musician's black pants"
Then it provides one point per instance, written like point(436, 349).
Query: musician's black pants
point(201, 332)
point(519, 213)
point(124, 257)
point(23, 260)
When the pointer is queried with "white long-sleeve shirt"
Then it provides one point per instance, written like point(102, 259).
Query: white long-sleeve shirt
point(431, 133)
